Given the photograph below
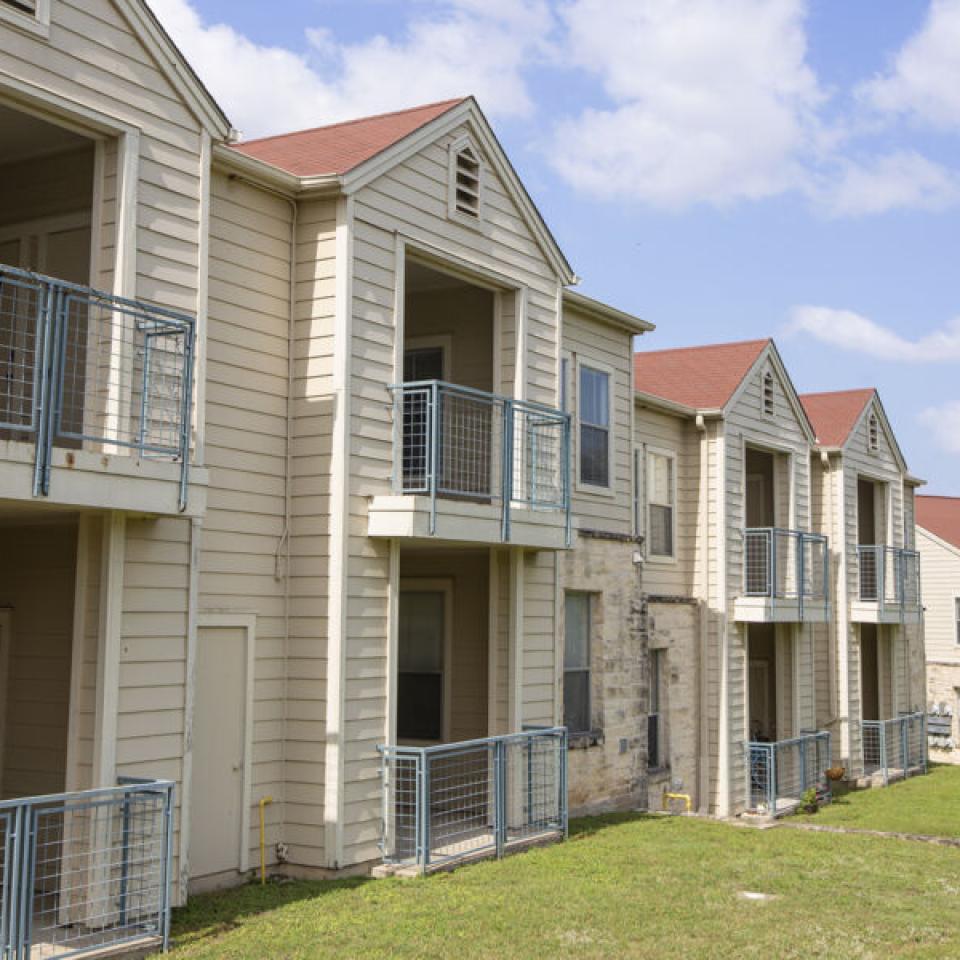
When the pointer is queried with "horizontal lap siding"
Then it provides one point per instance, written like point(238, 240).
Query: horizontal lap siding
point(941, 585)
point(313, 410)
point(411, 198)
point(586, 340)
point(539, 644)
point(247, 342)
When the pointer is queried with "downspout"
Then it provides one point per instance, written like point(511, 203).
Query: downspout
point(832, 692)
point(703, 607)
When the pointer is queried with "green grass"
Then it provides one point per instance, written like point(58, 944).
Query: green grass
point(623, 886)
point(927, 805)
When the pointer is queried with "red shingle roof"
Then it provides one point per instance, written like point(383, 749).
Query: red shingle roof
point(835, 414)
point(941, 516)
point(340, 147)
point(704, 378)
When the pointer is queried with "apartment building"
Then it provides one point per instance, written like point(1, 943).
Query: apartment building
point(874, 691)
point(310, 467)
point(938, 542)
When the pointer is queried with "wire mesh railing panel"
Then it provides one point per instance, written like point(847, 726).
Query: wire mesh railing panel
point(910, 577)
point(462, 797)
point(8, 836)
point(470, 436)
point(896, 747)
point(453, 801)
point(23, 306)
point(758, 554)
point(872, 746)
point(538, 457)
point(534, 789)
point(93, 870)
point(785, 564)
point(889, 575)
point(781, 772)
point(916, 741)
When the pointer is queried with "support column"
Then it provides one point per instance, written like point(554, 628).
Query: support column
point(516, 640)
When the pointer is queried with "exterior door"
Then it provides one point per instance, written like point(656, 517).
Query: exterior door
point(219, 723)
point(423, 364)
point(869, 671)
point(422, 623)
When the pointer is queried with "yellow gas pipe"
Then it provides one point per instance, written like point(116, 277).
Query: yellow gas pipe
point(263, 841)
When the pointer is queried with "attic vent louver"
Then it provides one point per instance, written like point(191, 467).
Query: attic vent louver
point(768, 401)
point(467, 182)
point(874, 433)
point(25, 6)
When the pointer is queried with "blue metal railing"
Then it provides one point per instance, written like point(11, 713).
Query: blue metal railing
point(889, 576)
point(895, 748)
point(780, 772)
point(460, 443)
point(84, 369)
point(456, 801)
point(787, 565)
point(85, 872)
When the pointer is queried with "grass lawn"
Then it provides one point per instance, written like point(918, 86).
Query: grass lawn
point(622, 886)
point(929, 805)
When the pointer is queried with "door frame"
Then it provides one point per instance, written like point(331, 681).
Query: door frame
point(248, 623)
point(6, 635)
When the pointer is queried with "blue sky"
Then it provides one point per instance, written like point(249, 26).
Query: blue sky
point(727, 169)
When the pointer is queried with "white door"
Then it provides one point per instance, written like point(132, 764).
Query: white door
point(219, 722)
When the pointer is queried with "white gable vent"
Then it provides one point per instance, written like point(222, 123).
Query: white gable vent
point(873, 431)
point(768, 399)
point(465, 180)
point(25, 6)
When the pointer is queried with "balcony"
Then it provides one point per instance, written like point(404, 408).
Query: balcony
point(95, 397)
point(888, 586)
point(781, 772)
point(454, 802)
point(475, 467)
point(895, 749)
point(786, 577)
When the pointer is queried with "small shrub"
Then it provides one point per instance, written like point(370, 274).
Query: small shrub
point(808, 801)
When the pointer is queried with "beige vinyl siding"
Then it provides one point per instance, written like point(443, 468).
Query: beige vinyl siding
point(590, 341)
point(940, 567)
point(539, 694)
point(37, 570)
point(313, 410)
point(242, 560)
point(410, 199)
point(678, 435)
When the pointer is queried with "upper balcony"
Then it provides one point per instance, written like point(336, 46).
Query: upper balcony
point(786, 577)
point(888, 586)
point(95, 398)
point(476, 467)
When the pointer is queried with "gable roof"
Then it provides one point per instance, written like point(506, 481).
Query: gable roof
point(701, 378)
point(941, 516)
point(836, 413)
point(339, 148)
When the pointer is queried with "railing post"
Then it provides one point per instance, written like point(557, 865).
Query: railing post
point(433, 420)
point(168, 865)
point(189, 353)
point(801, 578)
point(424, 811)
point(564, 809)
point(773, 569)
point(507, 482)
point(500, 792)
point(803, 764)
point(882, 736)
point(49, 307)
point(772, 779)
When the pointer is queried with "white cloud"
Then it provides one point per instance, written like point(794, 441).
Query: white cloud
point(859, 334)
point(924, 78)
point(903, 180)
point(448, 49)
point(711, 100)
point(944, 423)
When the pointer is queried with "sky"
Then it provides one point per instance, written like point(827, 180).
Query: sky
point(727, 169)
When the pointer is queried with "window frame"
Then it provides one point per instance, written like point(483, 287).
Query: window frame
point(457, 147)
point(590, 599)
point(36, 22)
point(671, 455)
point(638, 465)
point(658, 656)
point(582, 486)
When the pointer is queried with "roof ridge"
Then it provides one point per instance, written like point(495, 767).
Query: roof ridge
point(938, 496)
point(703, 346)
point(839, 393)
point(347, 123)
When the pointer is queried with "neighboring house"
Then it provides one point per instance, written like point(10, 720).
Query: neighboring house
point(295, 502)
point(873, 662)
point(723, 502)
point(938, 540)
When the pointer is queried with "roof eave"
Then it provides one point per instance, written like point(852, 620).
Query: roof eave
point(672, 406)
point(276, 178)
point(604, 311)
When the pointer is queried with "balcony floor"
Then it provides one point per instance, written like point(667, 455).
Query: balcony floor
point(768, 610)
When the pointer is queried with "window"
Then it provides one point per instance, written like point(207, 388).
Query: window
point(656, 726)
point(565, 384)
point(576, 662)
point(956, 617)
point(661, 493)
point(420, 682)
point(874, 433)
point(594, 409)
point(768, 399)
point(465, 181)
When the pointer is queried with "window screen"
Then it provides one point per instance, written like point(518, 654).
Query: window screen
point(594, 407)
point(576, 663)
